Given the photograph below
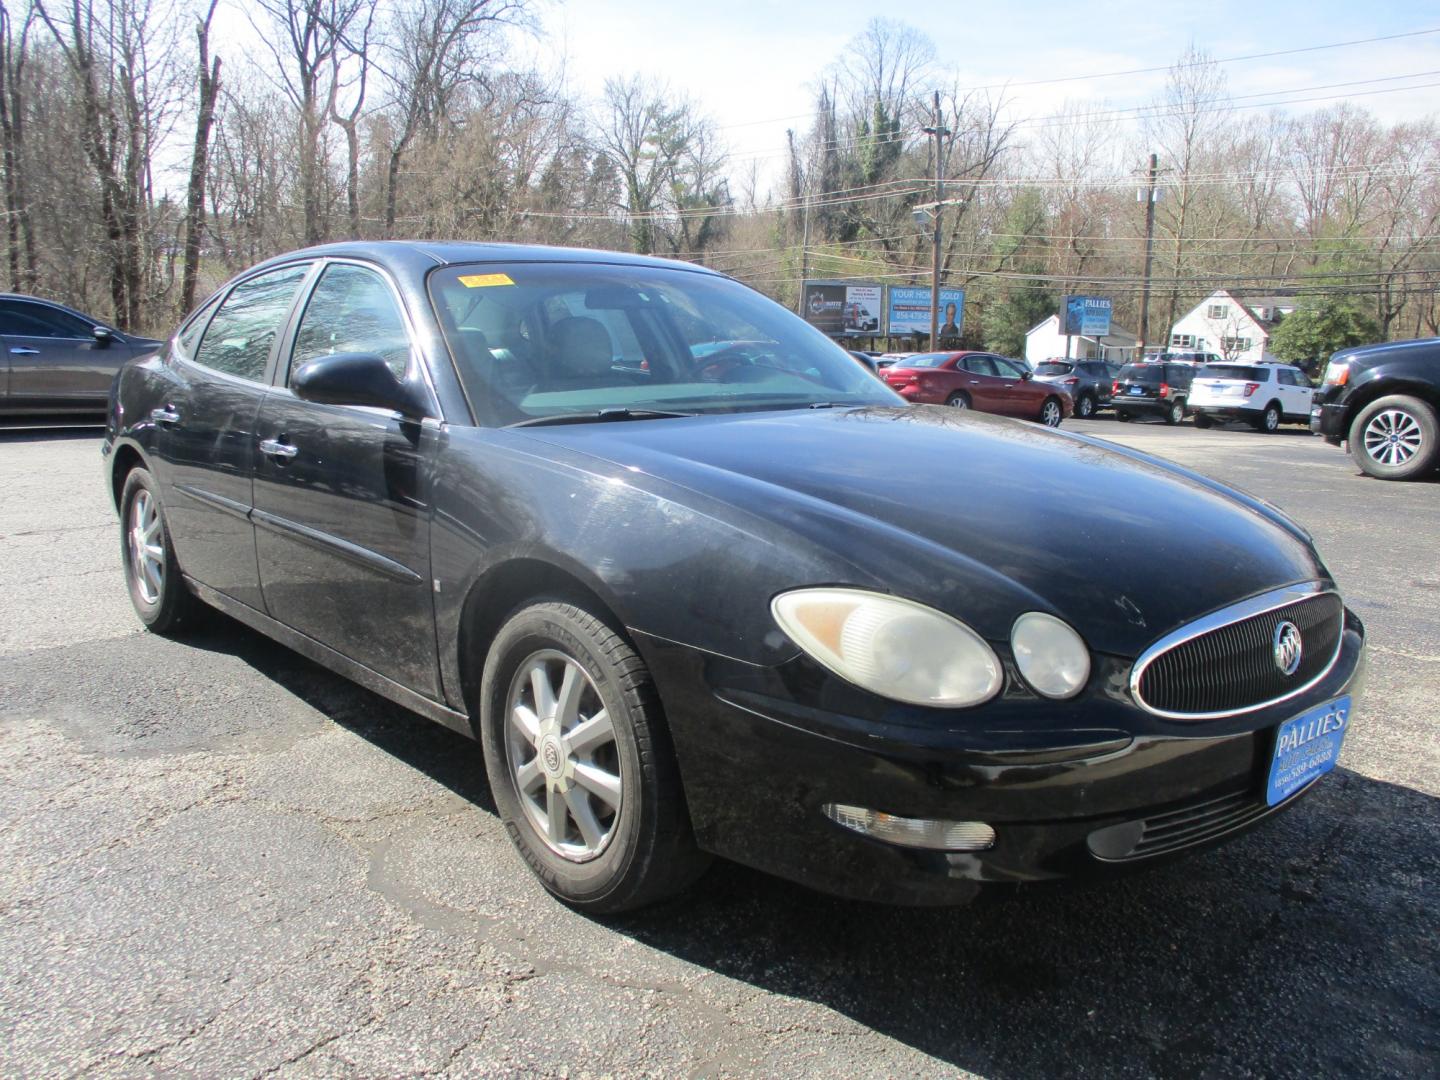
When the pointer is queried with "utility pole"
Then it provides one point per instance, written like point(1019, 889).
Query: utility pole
point(1148, 194)
point(940, 133)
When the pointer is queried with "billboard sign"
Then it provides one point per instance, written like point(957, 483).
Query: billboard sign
point(909, 310)
point(843, 309)
point(1086, 315)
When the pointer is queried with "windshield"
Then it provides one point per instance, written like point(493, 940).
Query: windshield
point(926, 360)
point(533, 340)
point(1231, 371)
point(1053, 369)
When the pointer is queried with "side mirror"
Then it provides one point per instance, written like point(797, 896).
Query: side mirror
point(356, 379)
point(1026, 376)
point(104, 337)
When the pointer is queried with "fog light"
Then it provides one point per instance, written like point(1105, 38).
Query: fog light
point(913, 832)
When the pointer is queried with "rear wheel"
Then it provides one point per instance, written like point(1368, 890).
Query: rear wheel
point(580, 763)
point(1051, 412)
point(1396, 438)
point(1269, 420)
point(958, 400)
point(1203, 422)
point(157, 591)
point(1122, 416)
point(1085, 406)
point(1175, 413)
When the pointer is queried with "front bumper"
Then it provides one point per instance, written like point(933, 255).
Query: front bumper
point(1329, 421)
point(758, 767)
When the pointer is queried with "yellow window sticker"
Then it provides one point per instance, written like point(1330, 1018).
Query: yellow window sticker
point(484, 281)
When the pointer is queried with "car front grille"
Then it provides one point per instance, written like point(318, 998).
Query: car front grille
point(1230, 667)
point(1176, 829)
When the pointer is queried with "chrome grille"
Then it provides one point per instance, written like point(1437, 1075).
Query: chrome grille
point(1226, 665)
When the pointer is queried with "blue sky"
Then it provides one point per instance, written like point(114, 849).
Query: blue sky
point(748, 60)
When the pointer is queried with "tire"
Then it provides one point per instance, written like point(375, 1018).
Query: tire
point(958, 400)
point(1085, 407)
point(1175, 413)
point(152, 576)
point(1269, 420)
point(1203, 422)
point(1122, 416)
point(1051, 412)
point(1396, 438)
point(589, 852)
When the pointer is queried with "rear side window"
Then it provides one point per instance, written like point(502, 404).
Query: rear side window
point(1244, 372)
point(239, 337)
point(1052, 369)
point(1141, 373)
point(1179, 374)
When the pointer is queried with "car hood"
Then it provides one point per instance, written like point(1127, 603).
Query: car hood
point(977, 515)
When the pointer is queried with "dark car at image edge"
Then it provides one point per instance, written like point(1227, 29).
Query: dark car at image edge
point(742, 601)
point(1384, 401)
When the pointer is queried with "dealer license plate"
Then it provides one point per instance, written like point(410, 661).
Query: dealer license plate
point(1137, 390)
point(1307, 746)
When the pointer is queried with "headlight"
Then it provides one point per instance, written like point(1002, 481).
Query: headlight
point(892, 647)
point(1337, 373)
point(1050, 655)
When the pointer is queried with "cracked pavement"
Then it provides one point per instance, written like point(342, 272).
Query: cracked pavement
point(219, 859)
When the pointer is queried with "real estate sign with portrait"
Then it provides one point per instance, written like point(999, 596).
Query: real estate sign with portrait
point(910, 310)
point(1087, 315)
point(842, 308)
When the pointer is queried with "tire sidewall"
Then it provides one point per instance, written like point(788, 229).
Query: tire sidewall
point(1176, 413)
point(545, 626)
point(958, 400)
point(1085, 407)
point(1422, 462)
point(164, 611)
point(1266, 423)
point(1058, 413)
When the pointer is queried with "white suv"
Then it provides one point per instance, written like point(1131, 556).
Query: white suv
point(1263, 395)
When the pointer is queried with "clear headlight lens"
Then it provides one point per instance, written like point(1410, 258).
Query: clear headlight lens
point(1051, 656)
point(892, 647)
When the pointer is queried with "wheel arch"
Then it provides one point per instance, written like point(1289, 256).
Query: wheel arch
point(1375, 389)
point(502, 588)
point(123, 460)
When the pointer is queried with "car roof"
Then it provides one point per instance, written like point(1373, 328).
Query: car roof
point(421, 255)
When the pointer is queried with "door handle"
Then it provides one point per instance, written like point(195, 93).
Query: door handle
point(167, 415)
point(21, 350)
point(275, 448)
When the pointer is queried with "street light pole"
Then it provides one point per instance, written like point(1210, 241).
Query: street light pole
point(940, 134)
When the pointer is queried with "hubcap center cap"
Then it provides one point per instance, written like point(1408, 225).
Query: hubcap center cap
point(552, 757)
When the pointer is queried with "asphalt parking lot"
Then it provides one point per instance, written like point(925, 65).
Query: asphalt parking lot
point(219, 859)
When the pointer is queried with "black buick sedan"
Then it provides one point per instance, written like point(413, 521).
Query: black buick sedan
point(700, 585)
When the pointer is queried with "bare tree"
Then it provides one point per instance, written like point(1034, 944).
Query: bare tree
point(207, 89)
point(20, 236)
point(353, 52)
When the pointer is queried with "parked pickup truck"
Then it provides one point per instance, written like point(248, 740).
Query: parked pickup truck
point(1384, 400)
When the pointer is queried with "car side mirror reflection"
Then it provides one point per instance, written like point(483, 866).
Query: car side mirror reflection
point(356, 379)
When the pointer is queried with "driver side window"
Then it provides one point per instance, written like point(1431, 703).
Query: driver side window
point(352, 310)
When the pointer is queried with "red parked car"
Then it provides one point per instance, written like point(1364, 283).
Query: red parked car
point(979, 380)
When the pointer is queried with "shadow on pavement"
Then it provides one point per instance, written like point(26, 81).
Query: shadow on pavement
point(1307, 947)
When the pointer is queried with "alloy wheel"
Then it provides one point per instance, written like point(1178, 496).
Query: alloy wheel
point(564, 762)
point(1085, 407)
point(1050, 413)
point(147, 547)
point(1393, 437)
point(1272, 420)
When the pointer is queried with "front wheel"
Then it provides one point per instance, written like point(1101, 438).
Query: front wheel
point(1051, 413)
point(152, 576)
point(1396, 438)
point(1122, 415)
point(1175, 413)
point(580, 763)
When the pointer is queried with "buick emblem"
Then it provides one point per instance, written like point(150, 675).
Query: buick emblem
point(1288, 647)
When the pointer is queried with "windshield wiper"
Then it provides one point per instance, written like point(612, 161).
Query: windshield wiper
point(600, 417)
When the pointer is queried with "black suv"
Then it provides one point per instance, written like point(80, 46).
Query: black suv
point(1159, 389)
point(1088, 381)
point(1385, 400)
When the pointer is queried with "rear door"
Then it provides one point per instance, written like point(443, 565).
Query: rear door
point(342, 512)
point(205, 430)
point(1296, 393)
point(54, 358)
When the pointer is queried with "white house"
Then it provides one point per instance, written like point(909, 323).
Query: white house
point(1236, 330)
point(1044, 340)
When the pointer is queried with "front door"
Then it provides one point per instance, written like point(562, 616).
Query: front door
point(342, 522)
point(205, 432)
